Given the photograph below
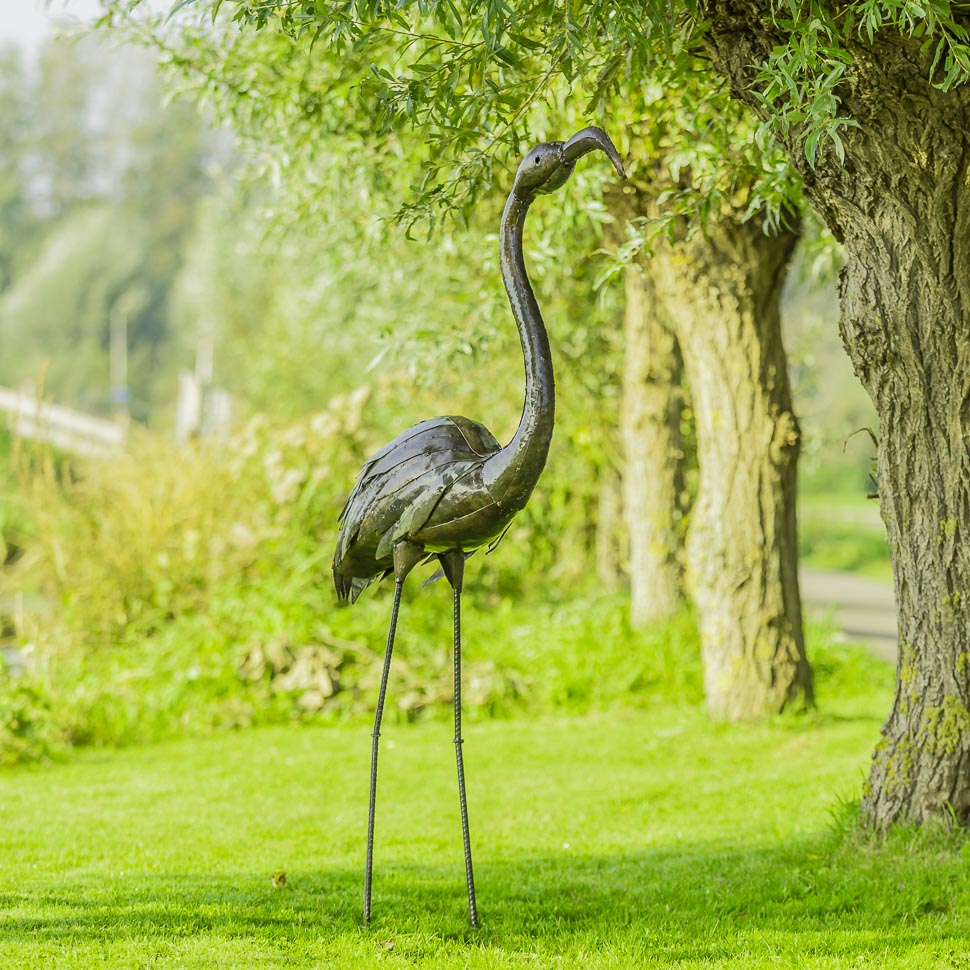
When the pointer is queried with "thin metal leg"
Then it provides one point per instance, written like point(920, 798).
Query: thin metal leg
point(469, 875)
point(375, 738)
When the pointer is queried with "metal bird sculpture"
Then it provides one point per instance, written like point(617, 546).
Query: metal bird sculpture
point(445, 486)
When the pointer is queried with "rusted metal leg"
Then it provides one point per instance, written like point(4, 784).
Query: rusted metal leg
point(375, 738)
point(453, 564)
point(406, 557)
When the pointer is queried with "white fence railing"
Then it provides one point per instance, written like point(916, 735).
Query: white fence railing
point(73, 431)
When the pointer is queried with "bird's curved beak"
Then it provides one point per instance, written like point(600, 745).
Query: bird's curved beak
point(586, 141)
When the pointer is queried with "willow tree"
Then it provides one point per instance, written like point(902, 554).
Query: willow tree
point(709, 296)
point(471, 84)
point(650, 419)
point(871, 101)
point(873, 104)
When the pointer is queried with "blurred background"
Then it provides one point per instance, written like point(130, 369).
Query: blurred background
point(214, 367)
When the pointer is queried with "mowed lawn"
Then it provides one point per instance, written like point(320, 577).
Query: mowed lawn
point(636, 839)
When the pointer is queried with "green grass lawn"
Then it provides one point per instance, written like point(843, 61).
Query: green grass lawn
point(629, 839)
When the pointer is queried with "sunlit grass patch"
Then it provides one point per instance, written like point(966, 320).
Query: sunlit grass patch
point(625, 838)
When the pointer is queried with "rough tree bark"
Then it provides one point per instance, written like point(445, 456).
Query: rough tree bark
point(649, 423)
point(716, 296)
point(650, 429)
point(901, 206)
point(722, 288)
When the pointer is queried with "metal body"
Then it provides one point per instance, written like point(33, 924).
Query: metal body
point(445, 487)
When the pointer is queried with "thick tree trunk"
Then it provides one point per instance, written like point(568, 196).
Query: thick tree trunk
point(901, 205)
point(652, 479)
point(716, 296)
point(906, 325)
point(723, 289)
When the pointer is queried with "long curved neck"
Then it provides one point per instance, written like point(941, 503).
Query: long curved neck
point(512, 473)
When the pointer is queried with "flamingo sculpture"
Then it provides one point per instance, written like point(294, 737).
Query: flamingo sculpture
point(445, 486)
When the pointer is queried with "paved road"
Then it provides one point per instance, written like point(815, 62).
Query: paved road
point(864, 608)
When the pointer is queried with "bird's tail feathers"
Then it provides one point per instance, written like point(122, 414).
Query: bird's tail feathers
point(358, 585)
point(350, 587)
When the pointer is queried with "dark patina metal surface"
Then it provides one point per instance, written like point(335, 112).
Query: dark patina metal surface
point(445, 483)
point(445, 487)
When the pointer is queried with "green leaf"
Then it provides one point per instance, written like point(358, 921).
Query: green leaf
point(180, 5)
point(811, 146)
point(839, 147)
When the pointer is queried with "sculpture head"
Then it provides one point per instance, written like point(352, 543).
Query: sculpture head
point(548, 166)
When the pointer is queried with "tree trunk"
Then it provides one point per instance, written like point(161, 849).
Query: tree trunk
point(610, 537)
point(722, 288)
point(905, 302)
point(716, 296)
point(901, 206)
point(650, 429)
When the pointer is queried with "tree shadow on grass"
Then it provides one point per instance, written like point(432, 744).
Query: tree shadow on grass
point(700, 905)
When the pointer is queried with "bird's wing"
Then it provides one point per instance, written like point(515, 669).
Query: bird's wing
point(479, 439)
point(418, 502)
point(398, 490)
point(435, 434)
point(417, 447)
point(396, 444)
point(358, 585)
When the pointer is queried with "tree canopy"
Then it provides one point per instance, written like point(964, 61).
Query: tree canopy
point(478, 79)
point(859, 108)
